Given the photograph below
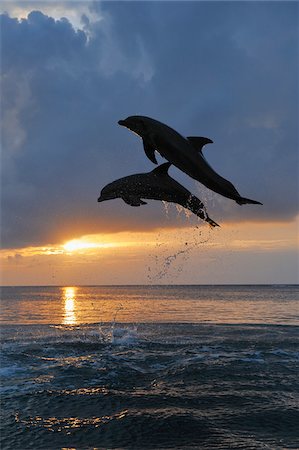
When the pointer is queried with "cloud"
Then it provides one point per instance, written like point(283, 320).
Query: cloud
point(17, 257)
point(227, 71)
point(78, 13)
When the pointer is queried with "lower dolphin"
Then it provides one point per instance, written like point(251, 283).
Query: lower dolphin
point(154, 185)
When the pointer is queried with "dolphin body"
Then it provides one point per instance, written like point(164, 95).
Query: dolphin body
point(184, 153)
point(155, 185)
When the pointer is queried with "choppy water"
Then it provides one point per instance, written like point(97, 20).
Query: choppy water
point(150, 367)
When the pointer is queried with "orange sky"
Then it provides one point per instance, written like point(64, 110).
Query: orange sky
point(234, 253)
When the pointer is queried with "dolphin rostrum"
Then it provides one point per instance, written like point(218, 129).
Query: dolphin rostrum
point(184, 153)
point(155, 185)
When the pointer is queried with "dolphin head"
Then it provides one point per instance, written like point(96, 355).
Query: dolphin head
point(135, 124)
point(108, 193)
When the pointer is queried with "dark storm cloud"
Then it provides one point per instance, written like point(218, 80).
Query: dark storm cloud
point(224, 70)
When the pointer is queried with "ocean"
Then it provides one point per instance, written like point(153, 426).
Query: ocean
point(149, 367)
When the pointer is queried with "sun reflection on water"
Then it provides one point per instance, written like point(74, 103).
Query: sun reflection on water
point(69, 317)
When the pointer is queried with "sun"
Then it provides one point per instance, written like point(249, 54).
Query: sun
point(77, 244)
point(86, 243)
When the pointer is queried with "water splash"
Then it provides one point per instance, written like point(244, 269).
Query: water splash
point(124, 336)
point(169, 264)
point(170, 255)
point(166, 208)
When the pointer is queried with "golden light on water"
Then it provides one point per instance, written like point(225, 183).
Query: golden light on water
point(69, 306)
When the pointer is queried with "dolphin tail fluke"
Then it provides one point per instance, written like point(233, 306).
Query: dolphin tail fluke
point(247, 201)
point(198, 208)
point(212, 223)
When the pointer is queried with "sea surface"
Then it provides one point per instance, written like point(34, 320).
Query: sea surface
point(149, 367)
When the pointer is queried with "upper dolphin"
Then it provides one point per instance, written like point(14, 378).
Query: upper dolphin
point(155, 185)
point(184, 153)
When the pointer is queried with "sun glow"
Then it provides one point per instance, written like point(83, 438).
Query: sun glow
point(133, 257)
point(80, 244)
point(76, 244)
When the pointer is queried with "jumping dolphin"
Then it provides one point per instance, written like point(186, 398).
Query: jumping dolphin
point(184, 153)
point(155, 185)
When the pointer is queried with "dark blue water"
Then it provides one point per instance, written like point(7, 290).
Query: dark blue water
point(150, 367)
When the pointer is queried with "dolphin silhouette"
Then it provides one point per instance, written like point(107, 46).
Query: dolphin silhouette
point(184, 153)
point(154, 185)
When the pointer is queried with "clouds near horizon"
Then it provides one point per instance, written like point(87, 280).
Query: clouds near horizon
point(224, 70)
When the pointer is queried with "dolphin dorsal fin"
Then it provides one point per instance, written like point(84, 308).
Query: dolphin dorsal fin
point(162, 169)
point(198, 142)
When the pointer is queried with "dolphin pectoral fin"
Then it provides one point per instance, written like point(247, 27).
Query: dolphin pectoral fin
point(149, 150)
point(133, 201)
point(198, 142)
